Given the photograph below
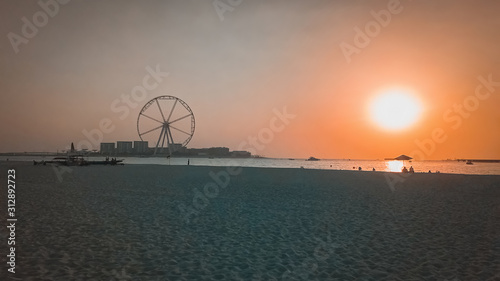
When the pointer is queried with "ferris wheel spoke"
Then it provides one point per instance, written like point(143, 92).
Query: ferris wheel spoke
point(180, 130)
point(151, 118)
point(172, 110)
point(178, 119)
point(154, 129)
point(161, 111)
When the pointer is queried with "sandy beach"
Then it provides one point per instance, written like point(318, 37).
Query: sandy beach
point(152, 222)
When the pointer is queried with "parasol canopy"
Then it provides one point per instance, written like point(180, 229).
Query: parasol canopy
point(403, 157)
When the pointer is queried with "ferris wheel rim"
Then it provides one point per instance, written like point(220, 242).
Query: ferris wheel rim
point(167, 121)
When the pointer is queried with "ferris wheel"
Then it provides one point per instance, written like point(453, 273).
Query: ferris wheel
point(166, 117)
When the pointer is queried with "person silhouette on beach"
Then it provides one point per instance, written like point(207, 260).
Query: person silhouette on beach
point(359, 168)
point(411, 170)
point(404, 170)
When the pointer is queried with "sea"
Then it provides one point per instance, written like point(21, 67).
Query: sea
point(444, 166)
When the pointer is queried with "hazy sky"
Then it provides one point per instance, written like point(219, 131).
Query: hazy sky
point(236, 67)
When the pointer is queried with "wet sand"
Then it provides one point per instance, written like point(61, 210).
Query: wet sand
point(151, 222)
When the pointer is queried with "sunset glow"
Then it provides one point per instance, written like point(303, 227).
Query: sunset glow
point(329, 79)
point(394, 166)
point(395, 109)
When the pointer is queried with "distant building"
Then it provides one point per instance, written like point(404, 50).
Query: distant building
point(124, 147)
point(194, 151)
point(140, 147)
point(177, 147)
point(211, 152)
point(198, 151)
point(218, 151)
point(107, 148)
point(241, 154)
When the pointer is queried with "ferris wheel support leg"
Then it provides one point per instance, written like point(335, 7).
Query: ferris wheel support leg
point(170, 140)
point(163, 140)
point(158, 142)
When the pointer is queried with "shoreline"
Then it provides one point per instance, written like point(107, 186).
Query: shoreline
point(30, 163)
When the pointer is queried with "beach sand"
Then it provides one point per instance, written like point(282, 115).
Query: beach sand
point(132, 222)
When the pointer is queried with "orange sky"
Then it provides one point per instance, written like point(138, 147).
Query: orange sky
point(262, 56)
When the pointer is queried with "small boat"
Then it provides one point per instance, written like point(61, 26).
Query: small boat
point(469, 162)
point(312, 159)
point(78, 160)
point(73, 160)
point(112, 162)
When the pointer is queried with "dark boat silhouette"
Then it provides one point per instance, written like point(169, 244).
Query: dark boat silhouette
point(74, 158)
point(312, 159)
point(78, 160)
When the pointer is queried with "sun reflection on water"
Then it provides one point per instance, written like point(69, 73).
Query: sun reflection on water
point(394, 166)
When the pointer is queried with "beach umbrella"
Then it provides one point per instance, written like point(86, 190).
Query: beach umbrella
point(403, 157)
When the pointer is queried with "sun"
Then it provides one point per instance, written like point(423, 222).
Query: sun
point(395, 109)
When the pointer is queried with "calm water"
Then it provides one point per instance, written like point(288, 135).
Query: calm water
point(452, 167)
